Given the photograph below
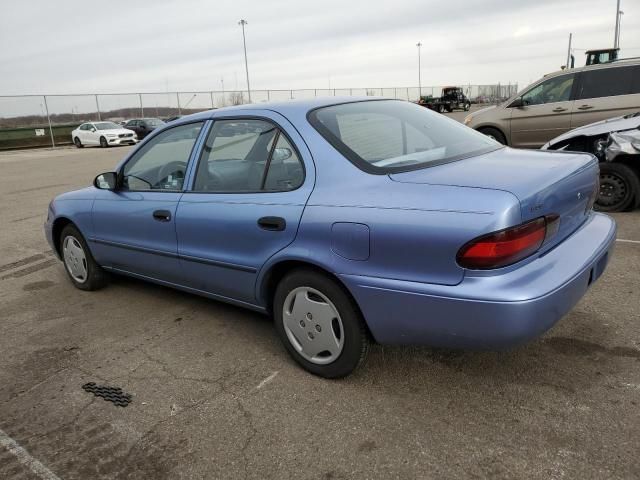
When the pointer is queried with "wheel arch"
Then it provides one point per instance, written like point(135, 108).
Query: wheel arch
point(58, 225)
point(275, 272)
point(486, 126)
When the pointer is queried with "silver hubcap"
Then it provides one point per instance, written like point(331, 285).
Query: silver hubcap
point(313, 325)
point(74, 259)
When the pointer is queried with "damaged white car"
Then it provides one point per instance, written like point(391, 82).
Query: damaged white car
point(616, 143)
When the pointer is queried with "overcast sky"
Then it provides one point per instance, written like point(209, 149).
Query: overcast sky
point(158, 45)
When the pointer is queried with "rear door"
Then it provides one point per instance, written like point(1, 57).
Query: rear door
point(606, 93)
point(546, 112)
point(247, 196)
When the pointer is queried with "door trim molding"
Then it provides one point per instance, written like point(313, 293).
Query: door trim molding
point(188, 258)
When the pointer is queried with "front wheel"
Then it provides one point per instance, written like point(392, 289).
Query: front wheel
point(619, 188)
point(440, 108)
point(319, 324)
point(495, 134)
point(103, 142)
point(467, 106)
point(82, 269)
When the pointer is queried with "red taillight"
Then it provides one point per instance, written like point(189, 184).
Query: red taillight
point(507, 246)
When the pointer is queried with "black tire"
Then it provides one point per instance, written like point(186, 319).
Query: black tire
point(78, 143)
point(619, 188)
point(494, 133)
point(103, 142)
point(440, 108)
point(96, 277)
point(356, 336)
point(467, 106)
point(449, 108)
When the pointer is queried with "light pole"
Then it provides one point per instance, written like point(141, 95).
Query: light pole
point(620, 14)
point(616, 35)
point(419, 76)
point(242, 23)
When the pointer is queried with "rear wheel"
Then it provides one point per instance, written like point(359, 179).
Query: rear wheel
point(103, 142)
point(619, 188)
point(319, 324)
point(82, 269)
point(449, 108)
point(77, 143)
point(495, 134)
point(440, 109)
point(467, 106)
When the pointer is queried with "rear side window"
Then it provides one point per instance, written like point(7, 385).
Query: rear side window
point(608, 82)
point(247, 156)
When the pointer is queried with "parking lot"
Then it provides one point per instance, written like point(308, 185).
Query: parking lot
point(215, 395)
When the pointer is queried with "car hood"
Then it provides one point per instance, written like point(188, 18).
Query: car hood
point(615, 124)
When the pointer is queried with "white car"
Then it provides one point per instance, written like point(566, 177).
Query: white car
point(104, 134)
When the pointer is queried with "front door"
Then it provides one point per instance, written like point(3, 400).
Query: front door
point(545, 114)
point(135, 225)
point(244, 205)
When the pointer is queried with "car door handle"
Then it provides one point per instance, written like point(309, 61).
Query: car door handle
point(162, 215)
point(559, 109)
point(274, 224)
point(585, 107)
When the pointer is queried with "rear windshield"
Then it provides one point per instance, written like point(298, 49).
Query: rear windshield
point(386, 136)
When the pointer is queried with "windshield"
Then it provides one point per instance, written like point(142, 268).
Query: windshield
point(390, 135)
point(106, 125)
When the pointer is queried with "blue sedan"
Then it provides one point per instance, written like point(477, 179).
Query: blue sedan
point(349, 221)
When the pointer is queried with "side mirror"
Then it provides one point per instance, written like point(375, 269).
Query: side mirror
point(517, 103)
point(281, 154)
point(93, 129)
point(106, 181)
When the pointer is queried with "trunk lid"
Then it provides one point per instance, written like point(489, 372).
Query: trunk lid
point(562, 183)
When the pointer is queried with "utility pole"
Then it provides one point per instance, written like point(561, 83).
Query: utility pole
point(616, 35)
point(569, 53)
point(620, 13)
point(242, 23)
point(419, 75)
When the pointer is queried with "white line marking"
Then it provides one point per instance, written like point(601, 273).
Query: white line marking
point(267, 380)
point(26, 459)
point(627, 241)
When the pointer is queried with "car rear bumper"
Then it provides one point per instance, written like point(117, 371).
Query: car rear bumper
point(490, 311)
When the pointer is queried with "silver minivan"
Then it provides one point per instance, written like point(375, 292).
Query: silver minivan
point(560, 102)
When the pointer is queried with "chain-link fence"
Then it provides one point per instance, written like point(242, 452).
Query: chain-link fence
point(47, 120)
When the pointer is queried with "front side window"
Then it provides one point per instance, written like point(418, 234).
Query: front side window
point(238, 153)
point(554, 90)
point(384, 136)
point(607, 82)
point(161, 164)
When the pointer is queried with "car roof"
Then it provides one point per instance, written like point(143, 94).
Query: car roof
point(285, 107)
point(599, 66)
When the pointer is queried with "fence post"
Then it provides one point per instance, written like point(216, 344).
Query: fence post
point(291, 94)
point(141, 107)
point(98, 107)
point(315, 92)
point(268, 95)
point(46, 107)
point(212, 105)
point(178, 98)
